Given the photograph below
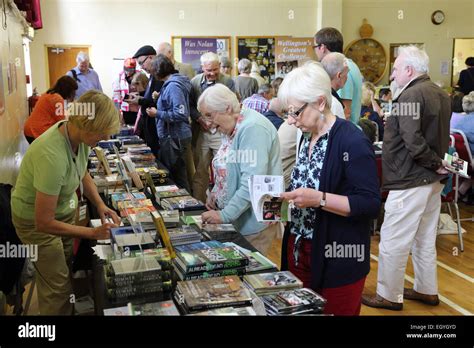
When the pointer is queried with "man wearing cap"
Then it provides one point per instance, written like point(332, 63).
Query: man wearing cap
point(85, 77)
point(183, 68)
point(147, 103)
point(122, 87)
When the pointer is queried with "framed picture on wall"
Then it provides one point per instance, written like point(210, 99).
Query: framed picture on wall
point(261, 50)
point(189, 49)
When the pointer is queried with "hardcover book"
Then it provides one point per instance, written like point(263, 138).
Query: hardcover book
point(265, 283)
point(210, 259)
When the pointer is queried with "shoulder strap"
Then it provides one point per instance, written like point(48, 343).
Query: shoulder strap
point(74, 75)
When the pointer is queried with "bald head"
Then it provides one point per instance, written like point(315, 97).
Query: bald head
point(166, 49)
point(276, 107)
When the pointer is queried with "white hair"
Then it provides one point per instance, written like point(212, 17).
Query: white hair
point(255, 68)
point(165, 48)
point(244, 66)
point(468, 103)
point(415, 57)
point(218, 98)
point(306, 84)
point(334, 63)
point(82, 57)
point(209, 57)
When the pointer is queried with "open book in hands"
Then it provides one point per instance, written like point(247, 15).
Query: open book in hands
point(265, 193)
point(456, 165)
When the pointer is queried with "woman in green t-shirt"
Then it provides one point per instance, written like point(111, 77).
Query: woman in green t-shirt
point(44, 201)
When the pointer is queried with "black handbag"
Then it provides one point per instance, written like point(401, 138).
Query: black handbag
point(170, 150)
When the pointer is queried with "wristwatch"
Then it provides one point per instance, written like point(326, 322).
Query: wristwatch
point(322, 202)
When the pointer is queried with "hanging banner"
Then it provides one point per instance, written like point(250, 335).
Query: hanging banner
point(291, 53)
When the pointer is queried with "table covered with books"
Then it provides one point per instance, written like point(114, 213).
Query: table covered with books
point(163, 261)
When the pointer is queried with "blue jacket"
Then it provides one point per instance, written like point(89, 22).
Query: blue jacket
point(173, 108)
point(258, 147)
point(350, 170)
point(274, 118)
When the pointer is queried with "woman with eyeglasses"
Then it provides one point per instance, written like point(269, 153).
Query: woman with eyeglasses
point(250, 146)
point(334, 191)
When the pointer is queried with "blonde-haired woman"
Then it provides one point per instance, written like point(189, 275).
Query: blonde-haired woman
point(370, 109)
point(44, 201)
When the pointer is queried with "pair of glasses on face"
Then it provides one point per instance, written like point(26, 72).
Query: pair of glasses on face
point(296, 114)
point(143, 61)
point(317, 46)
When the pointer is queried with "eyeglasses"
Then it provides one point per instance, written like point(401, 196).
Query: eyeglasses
point(298, 112)
point(318, 45)
point(143, 61)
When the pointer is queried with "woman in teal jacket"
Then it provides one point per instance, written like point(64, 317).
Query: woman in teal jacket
point(250, 146)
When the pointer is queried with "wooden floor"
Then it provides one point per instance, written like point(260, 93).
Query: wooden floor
point(456, 289)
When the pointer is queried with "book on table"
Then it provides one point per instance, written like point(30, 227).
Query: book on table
point(267, 283)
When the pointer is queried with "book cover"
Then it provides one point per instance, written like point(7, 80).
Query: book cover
point(156, 308)
point(274, 281)
point(181, 203)
point(456, 165)
point(211, 293)
point(210, 259)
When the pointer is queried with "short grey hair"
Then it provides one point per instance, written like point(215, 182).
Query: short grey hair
point(218, 98)
point(209, 57)
point(82, 57)
point(225, 62)
point(334, 63)
point(244, 66)
point(264, 88)
point(416, 58)
point(306, 84)
point(276, 106)
point(468, 103)
point(165, 48)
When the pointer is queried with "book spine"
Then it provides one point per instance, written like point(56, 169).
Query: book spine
point(216, 266)
point(203, 307)
point(225, 272)
point(137, 278)
point(139, 290)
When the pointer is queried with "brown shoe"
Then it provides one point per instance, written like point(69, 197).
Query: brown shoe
point(378, 301)
point(411, 294)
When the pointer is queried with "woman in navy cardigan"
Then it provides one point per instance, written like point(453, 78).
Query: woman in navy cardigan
point(335, 192)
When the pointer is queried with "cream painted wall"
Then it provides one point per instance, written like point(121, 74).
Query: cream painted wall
point(118, 28)
point(12, 142)
point(415, 26)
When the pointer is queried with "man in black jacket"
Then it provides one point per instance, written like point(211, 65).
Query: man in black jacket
point(147, 103)
point(416, 139)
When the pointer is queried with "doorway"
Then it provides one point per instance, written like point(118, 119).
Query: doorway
point(61, 59)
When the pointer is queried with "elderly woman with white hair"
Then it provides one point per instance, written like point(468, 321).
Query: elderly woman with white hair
point(335, 193)
point(84, 75)
point(245, 85)
point(250, 146)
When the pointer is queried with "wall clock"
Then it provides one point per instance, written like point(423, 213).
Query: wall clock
point(369, 55)
point(437, 17)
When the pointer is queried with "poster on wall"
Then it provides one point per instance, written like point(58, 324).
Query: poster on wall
point(190, 49)
point(291, 53)
point(260, 50)
point(2, 91)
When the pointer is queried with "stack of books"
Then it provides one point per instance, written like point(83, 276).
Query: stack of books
point(192, 220)
point(232, 311)
point(109, 144)
point(121, 195)
point(269, 283)
point(135, 206)
point(208, 260)
point(257, 262)
point(125, 239)
point(170, 217)
point(220, 232)
point(204, 294)
point(145, 309)
point(182, 203)
point(136, 278)
point(183, 235)
point(173, 192)
point(293, 302)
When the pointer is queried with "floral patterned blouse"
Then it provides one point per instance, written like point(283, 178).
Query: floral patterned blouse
point(219, 166)
point(306, 174)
